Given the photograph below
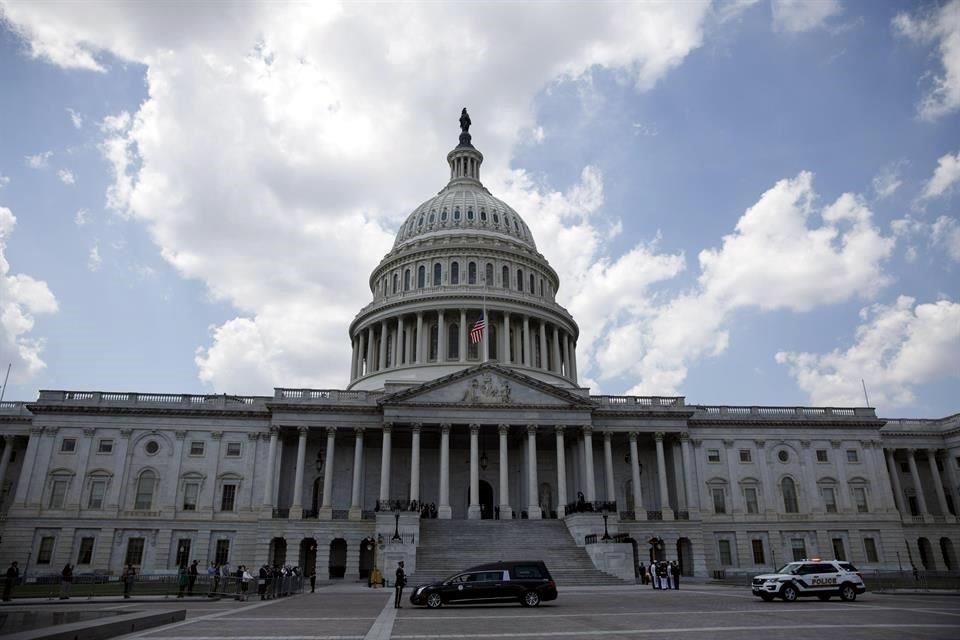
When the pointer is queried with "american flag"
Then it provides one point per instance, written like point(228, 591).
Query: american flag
point(476, 333)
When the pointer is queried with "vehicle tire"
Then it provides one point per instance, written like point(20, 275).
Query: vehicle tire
point(848, 593)
point(530, 599)
point(766, 597)
point(434, 601)
point(824, 597)
point(789, 593)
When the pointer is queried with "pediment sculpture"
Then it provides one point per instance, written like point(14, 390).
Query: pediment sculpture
point(486, 389)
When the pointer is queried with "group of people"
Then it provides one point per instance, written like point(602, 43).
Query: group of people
point(661, 574)
point(276, 581)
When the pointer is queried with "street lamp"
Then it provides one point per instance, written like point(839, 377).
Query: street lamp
point(606, 514)
point(319, 462)
point(396, 527)
point(657, 545)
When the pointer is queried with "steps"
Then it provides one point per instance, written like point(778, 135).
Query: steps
point(449, 546)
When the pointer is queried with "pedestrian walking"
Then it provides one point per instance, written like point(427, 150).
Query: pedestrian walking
point(264, 579)
point(183, 579)
point(400, 584)
point(675, 572)
point(129, 574)
point(66, 581)
point(13, 575)
point(194, 571)
point(215, 586)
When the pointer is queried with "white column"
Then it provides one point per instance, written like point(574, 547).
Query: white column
point(326, 507)
point(883, 497)
point(917, 485)
point(662, 477)
point(678, 477)
point(608, 466)
point(533, 485)
point(473, 512)
point(360, 355)
point(561, 469)
point(443, 509)
point(895, 482)
point(566, 356)
point(408, 343)
point(441, 338)
point(843, 500)
point(638, 508)
point(526, 341)
point(573, 359)
point(556, 350)
point(355, 346)
point(271, 458)
point(937, 482)
point(948, 462)
point(382, 363)
point(810, 477)
point(769, 496)
point(689, 482)
point(506, 348)
point(485, 338)
point(415, 463)
point(506, 512)
point(544, 356)
point(5, 460)
point(736, 505)
point(356, 508)
point(463, 335)
point(398, 344)
point(385, 463)
point(420, 340)
point(588, 450)
point(296, 509)
point(30, 462)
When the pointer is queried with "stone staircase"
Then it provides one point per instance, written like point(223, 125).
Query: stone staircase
point(449, 546)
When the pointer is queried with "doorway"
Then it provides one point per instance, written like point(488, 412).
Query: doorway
point(685, 556)
point(366, 557)
point(338, 558)
point(308, 556)
point(278, 552)
point(486, 500)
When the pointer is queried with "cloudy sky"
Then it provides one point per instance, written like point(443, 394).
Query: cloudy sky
point(748, 202)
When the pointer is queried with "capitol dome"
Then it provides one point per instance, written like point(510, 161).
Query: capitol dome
point(461, 256)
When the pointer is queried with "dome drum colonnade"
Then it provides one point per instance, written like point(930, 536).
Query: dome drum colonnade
point(460, 253)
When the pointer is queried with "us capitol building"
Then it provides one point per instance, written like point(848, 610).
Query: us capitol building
point(467, 441)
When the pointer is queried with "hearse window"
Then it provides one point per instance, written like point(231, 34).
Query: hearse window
point(527, 571)
point(491, 576)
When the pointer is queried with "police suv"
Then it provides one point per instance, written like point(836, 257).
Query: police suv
point(815, 577)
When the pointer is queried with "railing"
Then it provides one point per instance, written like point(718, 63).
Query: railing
point(681, 515)
point(341, 514)
point(795, 516)
point(397, 504)
point(795, 412)
point(654, 515)
point(140, 513)
point(170, 399)
point(281, 512)
point(472, 289)
point(92, 585)
point(640, 401)
point(594, 538)
point(334, 395)
point(309, 514)
point(591, 507)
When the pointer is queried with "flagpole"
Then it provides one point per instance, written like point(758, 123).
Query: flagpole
point(486, 322)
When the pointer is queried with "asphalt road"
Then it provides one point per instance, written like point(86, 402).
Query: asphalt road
point(352, 612)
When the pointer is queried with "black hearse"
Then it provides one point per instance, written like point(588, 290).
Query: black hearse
point(528, 583)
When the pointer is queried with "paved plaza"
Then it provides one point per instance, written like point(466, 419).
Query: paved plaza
point(351, 612)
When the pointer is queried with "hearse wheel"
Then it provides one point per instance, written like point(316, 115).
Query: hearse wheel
point(434, 601)
point(530, 599)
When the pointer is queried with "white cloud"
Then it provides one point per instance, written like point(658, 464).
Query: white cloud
point(66, 176)
point(40, 160)
point(727, 10)
point(944, 176)
point(4, 180)
point(887, 181)
point(94, 260)
point(76, 118)
point(897, 348)
point(796, 16)
point(940, 27)
point(81, 218)
point(21, 299)
point(945, 233)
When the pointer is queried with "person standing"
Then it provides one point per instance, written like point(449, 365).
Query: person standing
point(183, 579)
point(675, 572)
point(129, 573)
point(264, 578)
point(313, 579)
point(193, 577)
point(643, 574)
point(13, 574)
point(400, 584)
point(66, 581)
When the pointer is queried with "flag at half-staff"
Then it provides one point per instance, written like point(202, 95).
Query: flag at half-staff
point(476, 333)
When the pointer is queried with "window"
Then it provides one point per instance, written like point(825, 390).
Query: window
point(726, 558)
point(505, 277)
point(860, 498)
point(190, 492)
point(782, 455)
point(228, 497)
point(396, 282)
point(421, 277)
point(750, 493)
point(406, 279)
point(58, 492)
point(98, 489)
point(526, 571)
point(105, 446)
point(443, 215)
point(532, 288)
point(434, 340)
point(222, 555)
point(183, 551)
point(134, 551)
point(152, 447)
point(197, 448)
point(822, 455)
point(839, 553)
point(483, 215)
point(519, 279)
point(829, 499)
point(799, 548)
point(85, 554)
point(496, 218)
point(472, 273)
point(68, 445)
point(719, 504)
point(145, 486)
point(433, 217)
point(437, 274)
point(713, 455)
point(758, 556)
point(541, 287)
point(45, 553)
point(456, 213)
point(488, 274)
point(870, 547)
point(454, 273)
point(789, 496)
point(746, 455)
point(233, 449)
point(469, 214)
point(853, 455)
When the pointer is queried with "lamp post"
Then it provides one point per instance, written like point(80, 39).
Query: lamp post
point(656, 545)
point(396, 526)
point(606, 514)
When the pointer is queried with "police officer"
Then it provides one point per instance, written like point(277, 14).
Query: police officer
point(400, 584)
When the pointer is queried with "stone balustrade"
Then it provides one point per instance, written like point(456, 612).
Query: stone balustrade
point(218, 401)
point(640, 401)
point(789, 412)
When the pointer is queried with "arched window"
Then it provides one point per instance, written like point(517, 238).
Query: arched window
point(516, 227)
point(532, 288)
point(406, 280)
point(436, 274)
point(469, 214)
point(456, 214)
point(421, 277)
point(146, 484)
point(455, 273)
point(420, 222)
point(789, 496)
point(434, 341)
point(519, 279)
point(396, 282)
point(443, 216)
point(433, 217)
point(496, 218)
point(489, 274)
point(541, 287)
point(453, 341)
point(472, 273)
point(483, 215)
point(505, 277)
